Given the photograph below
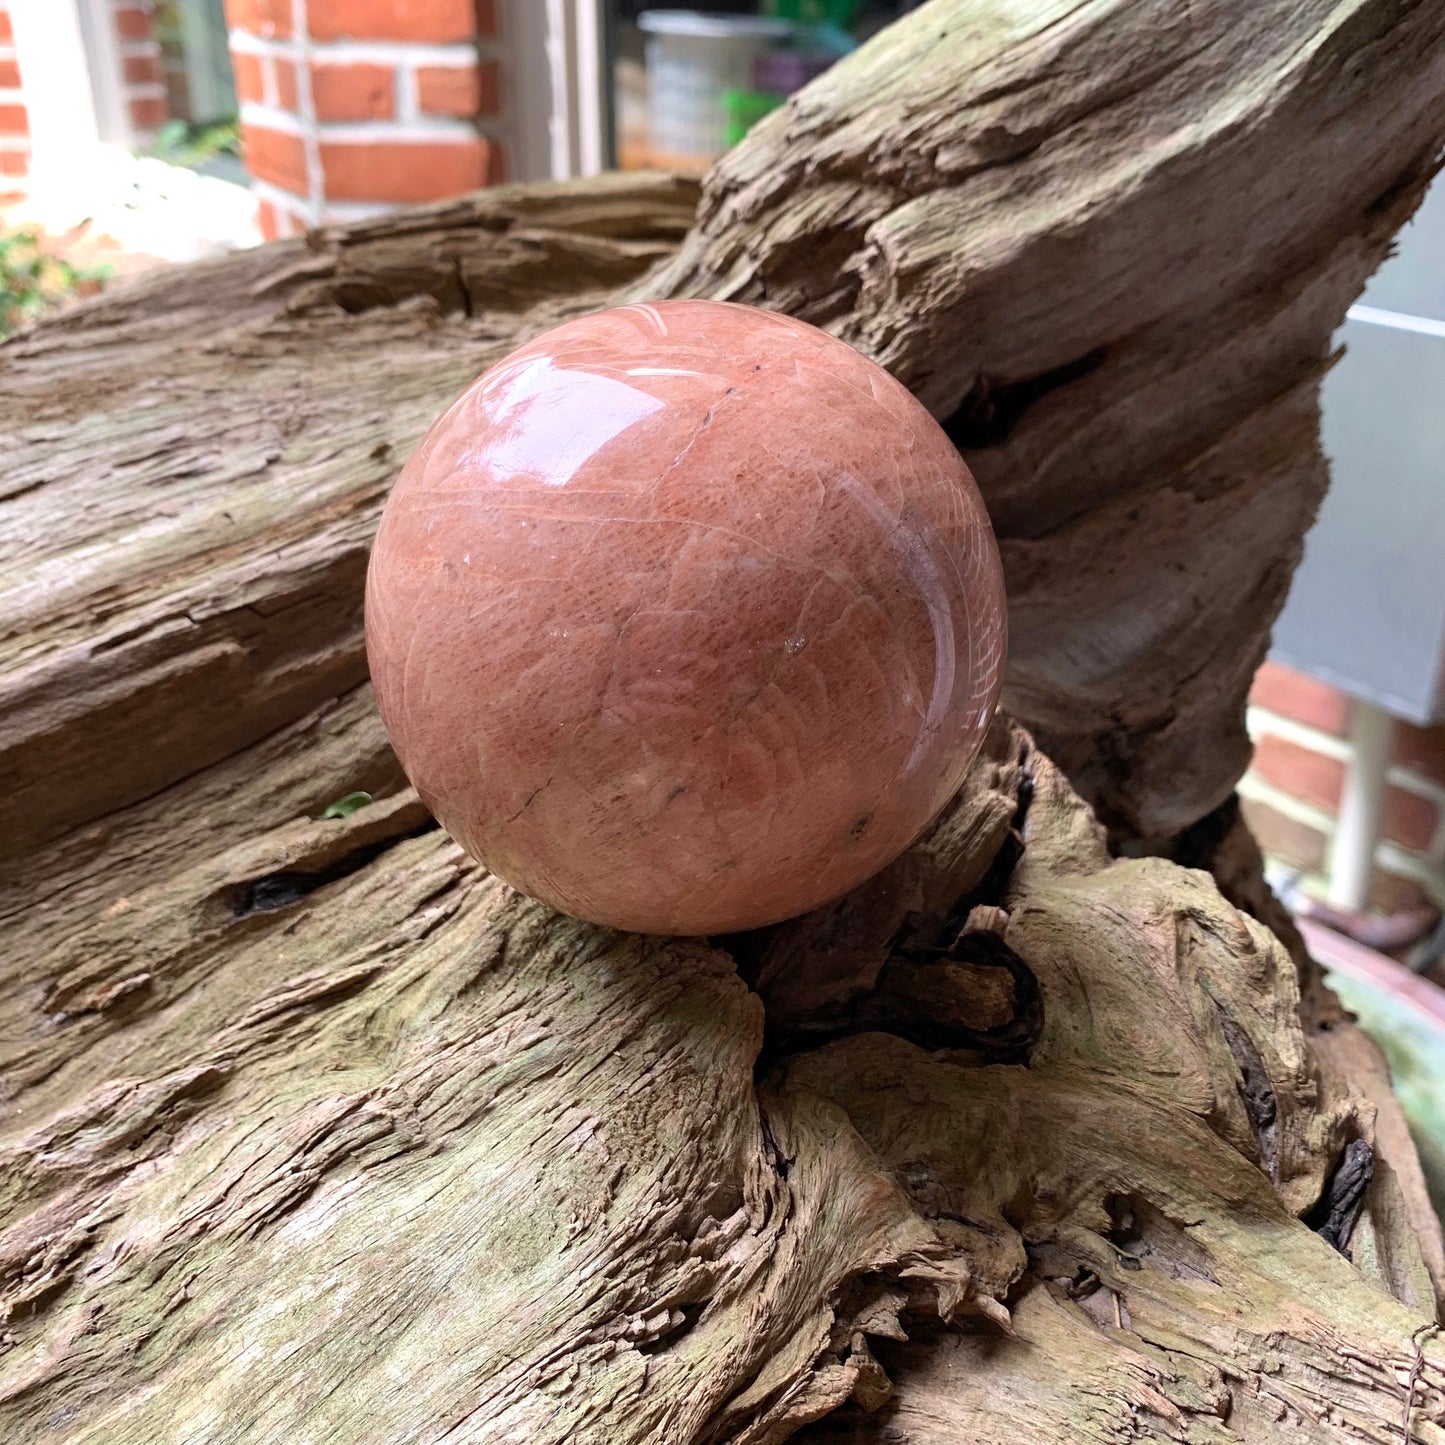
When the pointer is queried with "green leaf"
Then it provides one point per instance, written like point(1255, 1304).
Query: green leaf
point(32, 281)
point(345, 807)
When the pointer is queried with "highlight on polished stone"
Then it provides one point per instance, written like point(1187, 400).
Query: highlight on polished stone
point(685, 618)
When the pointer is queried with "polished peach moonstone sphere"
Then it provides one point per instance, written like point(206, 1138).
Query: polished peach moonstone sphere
point(685, 618)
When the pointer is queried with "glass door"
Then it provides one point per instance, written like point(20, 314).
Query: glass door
point(687, 82)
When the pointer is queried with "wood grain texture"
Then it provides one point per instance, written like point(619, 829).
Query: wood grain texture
point(219, 440)
point(392, 1153)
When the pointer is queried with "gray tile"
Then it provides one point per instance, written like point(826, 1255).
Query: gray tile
point(1367, 609)
point(1413, 280)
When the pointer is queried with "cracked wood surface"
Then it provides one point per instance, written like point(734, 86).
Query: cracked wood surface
point(313, 1131)
point(1114, 280)
point(248, 416)
point(404, 1156)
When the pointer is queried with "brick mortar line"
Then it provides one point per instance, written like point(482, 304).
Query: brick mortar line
point(1417, 783)
point(422, 131)
point(273, 117)
point(1264, 723)
point(277, 195)
point(281, 199)
point(338, 212)
point(1392, 856)
point(406, 87)
point(407, 52)
point(1260, 721)
point(460, 54)
point(1258, 790)
point(1389, 857)
point(315, 176)
point(344, 212)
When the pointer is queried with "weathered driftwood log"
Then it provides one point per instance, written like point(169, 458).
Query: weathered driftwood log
point(1107, 244)
point(324, 1142)
point(314, 1131)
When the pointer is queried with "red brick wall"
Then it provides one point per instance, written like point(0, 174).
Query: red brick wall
point(142, 78)
point(14, 124)
point(379, 103)
point(143, 72)
point(1292, 793)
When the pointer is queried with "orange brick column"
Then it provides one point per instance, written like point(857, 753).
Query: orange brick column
point(14, 123)
point(350, 107)
point(142, 78)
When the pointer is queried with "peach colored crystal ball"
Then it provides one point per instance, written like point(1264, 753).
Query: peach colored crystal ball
point(685, 618)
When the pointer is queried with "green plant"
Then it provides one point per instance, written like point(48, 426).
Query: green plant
point(34, 280)
point(839, 13)
point(183, 144)
point(345, 807)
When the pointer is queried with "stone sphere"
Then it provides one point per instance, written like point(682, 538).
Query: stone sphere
point(685, 618)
